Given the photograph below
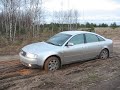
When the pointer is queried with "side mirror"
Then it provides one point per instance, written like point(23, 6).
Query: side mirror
point(70, 44)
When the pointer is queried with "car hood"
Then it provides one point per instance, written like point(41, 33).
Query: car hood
point(36, 48)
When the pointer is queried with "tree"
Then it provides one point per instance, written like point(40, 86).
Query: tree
point(103, 25)
point(76, 15)
point(10, 8)
point(113, 25)
point(20, 16)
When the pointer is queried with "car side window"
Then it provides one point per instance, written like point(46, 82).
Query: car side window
point(91, 38)
point(77, 39)
point(100, 38)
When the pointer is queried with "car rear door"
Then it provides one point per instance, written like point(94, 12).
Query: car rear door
point(92, 46)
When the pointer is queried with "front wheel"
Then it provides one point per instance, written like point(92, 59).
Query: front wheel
point(104, 54)
point(52, 64)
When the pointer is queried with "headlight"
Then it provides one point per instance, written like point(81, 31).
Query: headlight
point(29, 55)
point(22, 52)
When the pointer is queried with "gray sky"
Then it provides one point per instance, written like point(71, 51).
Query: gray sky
point(96, 11)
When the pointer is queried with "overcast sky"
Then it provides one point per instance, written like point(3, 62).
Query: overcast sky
point(96, 11)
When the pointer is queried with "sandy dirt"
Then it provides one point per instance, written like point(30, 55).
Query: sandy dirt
point(89, 75)
point(9, 57)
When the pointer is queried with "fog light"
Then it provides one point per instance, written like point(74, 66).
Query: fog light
point(29, 65)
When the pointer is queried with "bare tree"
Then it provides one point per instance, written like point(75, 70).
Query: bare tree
point(9, 9)
point(19, 14)
point(71, 18)
point(76, 15)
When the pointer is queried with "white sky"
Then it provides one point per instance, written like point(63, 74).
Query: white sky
point(90, 10)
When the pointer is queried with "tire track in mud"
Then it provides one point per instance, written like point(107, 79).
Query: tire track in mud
point(13, 70)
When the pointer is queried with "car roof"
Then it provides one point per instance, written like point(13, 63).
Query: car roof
point(75, 32)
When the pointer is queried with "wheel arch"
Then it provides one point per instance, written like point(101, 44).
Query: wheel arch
point(107, 50)
point(52, 56)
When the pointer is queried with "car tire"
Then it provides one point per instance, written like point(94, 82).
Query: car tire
point(104, 54)
point(52, 64)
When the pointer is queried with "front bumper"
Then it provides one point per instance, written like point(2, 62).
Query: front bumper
point(30, 65)
point(29, 62)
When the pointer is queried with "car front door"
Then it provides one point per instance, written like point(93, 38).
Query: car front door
point(75, 51)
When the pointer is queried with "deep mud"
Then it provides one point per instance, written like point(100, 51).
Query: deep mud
point(82, 76)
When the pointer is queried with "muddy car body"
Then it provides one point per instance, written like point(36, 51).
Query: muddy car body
point(64, 48)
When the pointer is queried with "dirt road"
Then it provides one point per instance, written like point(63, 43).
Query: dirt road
point(112, 84)
point(87, 75)
point(9, 57)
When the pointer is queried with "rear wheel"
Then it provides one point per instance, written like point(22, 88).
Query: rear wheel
point(52, 64)
point(104, 54)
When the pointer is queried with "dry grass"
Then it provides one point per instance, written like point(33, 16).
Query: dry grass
point(113, 34)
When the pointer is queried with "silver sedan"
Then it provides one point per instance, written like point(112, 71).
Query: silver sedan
point(64, 48)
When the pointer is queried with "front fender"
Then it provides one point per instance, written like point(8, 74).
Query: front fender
point(42, 58)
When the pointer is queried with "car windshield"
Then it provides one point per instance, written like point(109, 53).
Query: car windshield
point(59, 39)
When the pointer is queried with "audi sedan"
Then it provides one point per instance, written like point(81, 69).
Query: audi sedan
point(64, 48)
